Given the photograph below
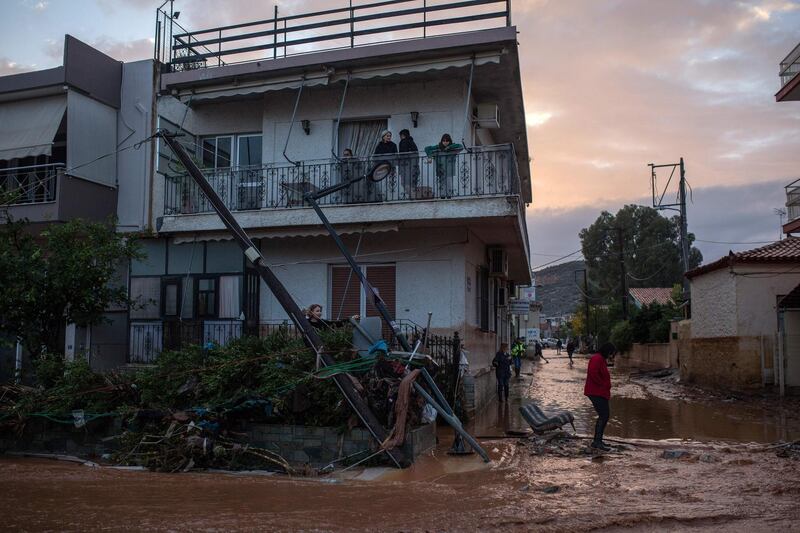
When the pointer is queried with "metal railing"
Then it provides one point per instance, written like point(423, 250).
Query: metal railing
point(34, 184)
point(345, 27)
point(793, 200)
point(790, 66)
point(480, 171)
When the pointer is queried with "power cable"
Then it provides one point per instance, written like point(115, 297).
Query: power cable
point(556, 260)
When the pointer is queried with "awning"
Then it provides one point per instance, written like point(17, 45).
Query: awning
point(28, 127)
point(279, 233)
point(293, 82)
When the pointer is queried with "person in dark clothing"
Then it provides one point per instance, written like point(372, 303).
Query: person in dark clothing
point(385, 146)
point(314, 316)
point(570, 349)
point(408, 163)
point(559, 345)
point(598, 389)
point(502, 367)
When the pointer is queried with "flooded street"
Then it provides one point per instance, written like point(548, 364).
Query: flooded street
point(721, 483)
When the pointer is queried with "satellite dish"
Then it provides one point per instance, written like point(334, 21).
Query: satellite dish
point(380, 171)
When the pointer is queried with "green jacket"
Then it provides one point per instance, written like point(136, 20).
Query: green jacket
point(445, 159)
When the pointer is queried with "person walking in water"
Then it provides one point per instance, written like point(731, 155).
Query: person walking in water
point(598, 389)
point(517, 351)
point(502, 368)
point(559, 345)
point(570, 349)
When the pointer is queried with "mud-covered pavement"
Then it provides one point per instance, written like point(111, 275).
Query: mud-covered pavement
point(727, 479)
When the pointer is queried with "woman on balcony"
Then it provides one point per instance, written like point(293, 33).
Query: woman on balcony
point(445, 155)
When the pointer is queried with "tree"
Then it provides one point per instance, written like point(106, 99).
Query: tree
point(63, 275)
point(651, 251)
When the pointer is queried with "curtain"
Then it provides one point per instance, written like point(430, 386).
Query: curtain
point(229, 297)
point(360, 136)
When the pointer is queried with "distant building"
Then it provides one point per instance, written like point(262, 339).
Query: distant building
point(641, 296)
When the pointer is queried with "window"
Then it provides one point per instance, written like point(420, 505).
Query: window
point(206, 298)
point(216, 151)
point(360, 136)
point(248, 152)
point(171, 297)
point(347, 297)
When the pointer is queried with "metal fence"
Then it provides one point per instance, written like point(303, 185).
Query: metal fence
point(479, 171)
point(33, 184)
point(345, 27)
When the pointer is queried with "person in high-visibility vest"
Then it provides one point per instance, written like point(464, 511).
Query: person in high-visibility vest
point(516, 353)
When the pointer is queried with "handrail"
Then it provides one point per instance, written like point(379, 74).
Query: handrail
point(790, 59)
point(54, 165)
point(211, 40)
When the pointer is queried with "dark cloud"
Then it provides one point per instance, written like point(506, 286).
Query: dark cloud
point(741, 215)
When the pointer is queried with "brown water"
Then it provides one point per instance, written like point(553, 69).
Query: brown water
point(636, 413)
point(738, 487)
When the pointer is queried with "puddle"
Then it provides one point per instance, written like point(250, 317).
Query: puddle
point(634, 413)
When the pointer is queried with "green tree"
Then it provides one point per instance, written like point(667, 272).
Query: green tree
point(651, 251)
point(64, 274)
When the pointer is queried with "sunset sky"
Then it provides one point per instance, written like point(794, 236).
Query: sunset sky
point(610, 85)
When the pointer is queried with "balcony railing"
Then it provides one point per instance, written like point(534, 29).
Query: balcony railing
point(481, 171)
point(793, 200)
point(345, 27)
point(33, 184)
point(790, 66)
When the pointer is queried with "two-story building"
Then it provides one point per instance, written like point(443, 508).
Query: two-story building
point(268, 109)
point(66, 152)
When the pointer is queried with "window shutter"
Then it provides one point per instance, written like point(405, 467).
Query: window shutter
point(382, 278)
point(349, 303)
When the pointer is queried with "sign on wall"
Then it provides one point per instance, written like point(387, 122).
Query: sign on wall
point(518, 307)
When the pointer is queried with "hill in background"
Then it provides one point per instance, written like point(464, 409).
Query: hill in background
point(559, 293)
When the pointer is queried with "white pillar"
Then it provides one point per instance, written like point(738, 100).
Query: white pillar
point(69, 342)
point(18, 363)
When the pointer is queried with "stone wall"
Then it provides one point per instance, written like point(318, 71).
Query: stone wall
point(479, 390)
point(299, 445)
point(648, 357)
point(723, 362)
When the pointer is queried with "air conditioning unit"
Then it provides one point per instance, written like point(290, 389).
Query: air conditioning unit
point(498, 262)
point(488, 116)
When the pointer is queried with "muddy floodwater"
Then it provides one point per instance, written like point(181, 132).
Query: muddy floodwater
point(726, 478)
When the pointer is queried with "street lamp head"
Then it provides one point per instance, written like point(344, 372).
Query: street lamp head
point(380, 171)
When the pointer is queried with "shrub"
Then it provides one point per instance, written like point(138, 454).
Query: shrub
point(622, 336)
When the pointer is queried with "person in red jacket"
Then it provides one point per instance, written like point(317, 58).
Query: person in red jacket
point(598, 389)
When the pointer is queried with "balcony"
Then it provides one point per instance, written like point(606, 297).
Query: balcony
point(790, 81)
point(35, 184)
point(354, 26)
point(792, 207)
point(485, 171)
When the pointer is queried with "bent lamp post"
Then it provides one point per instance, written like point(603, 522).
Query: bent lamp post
point(310, 336)
point(379, 172)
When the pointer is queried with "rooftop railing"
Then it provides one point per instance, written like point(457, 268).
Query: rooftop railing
point(790, 66)
point(480, 171)
point(793, 200)
point(34, 184)
point(345, 27)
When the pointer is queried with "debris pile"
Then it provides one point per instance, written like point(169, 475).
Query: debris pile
point(562, 444)
point(186, 410)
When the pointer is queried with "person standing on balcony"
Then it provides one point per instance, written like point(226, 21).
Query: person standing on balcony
point(502, 369)
point(445, 156)
point(385, 146)
point(408, 165)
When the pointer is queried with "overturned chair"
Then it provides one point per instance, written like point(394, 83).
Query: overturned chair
point(541, 422)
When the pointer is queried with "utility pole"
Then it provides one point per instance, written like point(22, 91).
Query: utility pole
point(623, 274)
point(585, 301)
point(680, 206)
point(684, 232)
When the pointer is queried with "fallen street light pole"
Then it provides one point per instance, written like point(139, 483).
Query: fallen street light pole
point(380, 171)
point(310, 336)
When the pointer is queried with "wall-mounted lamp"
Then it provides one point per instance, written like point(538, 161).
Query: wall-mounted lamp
point(414, 117)
point(306, 126)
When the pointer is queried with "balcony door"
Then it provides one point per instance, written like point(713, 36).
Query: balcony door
point(348, 298)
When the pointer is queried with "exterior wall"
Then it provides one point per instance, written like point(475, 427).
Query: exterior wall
point(714, 304)
point(724, 362)
point(757, 296)
point(439, 103)
point(427, 278)
point(134, 122)
point(647, 357)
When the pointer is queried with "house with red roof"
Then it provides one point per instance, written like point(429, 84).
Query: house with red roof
point(641, 296)
point(745, 325)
